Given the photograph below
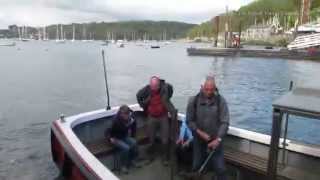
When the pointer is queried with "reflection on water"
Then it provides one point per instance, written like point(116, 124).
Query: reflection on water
point(43, 79)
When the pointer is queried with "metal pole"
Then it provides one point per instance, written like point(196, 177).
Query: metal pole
point(274, 144)
point(284, 144)
point(174, 120)
point(206, 162)
point(217, 31)
point(240, 31)
point(106, 81)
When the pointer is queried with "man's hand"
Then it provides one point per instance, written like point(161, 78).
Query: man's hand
point(179, 141)
point(185, 144)
point(214, 144)
point(203, 135)
point(112, 140)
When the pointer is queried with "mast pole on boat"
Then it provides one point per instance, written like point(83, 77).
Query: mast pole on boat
point(174, 121)
point(106, 81)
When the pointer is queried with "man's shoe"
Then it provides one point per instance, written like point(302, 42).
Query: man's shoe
point(165, 162)
point(148, 161)
point(124, 170)
point(135, 164)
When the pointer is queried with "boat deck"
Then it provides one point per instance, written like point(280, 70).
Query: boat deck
point(245, 158)
point(151, 171)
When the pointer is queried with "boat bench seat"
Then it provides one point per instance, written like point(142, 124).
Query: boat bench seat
point(99, 147)
point(103, 147)
point(247, 161)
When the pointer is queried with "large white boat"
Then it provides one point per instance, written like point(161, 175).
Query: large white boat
point(81, 151)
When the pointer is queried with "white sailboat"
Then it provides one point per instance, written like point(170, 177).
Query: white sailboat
point(84, 34)
point(19, 33)
point(112, 38)
point(25, 34)
point(64, 36)
point(45, 36)
point(73, 34)
point(120, 43)
point(166, 42)
point(39, 34)
point(59, 39)
point(91, 39)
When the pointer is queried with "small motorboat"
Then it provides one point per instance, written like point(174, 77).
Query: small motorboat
point(120, 45)
point(60, 41)
point(25, 40)
point(81, 151)
point(268, 47)
point(155, 46)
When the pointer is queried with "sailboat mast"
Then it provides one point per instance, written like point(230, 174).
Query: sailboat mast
point(39, 34)
point(61, 31)
point(57, 32)
point(19, 33)
point(44, 33)
point(73, 33)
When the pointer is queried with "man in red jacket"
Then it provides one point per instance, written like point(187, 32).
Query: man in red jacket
point(155, 100)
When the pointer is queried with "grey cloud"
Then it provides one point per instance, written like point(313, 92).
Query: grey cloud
point(67, 11)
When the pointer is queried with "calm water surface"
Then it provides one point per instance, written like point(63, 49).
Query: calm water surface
point(40, 80)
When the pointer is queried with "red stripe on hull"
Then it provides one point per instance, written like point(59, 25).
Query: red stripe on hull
point(86, 166)
point(57, 151)
point(76, 174)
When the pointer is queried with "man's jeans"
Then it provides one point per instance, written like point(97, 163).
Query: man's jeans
point(217, 160)
point(128, 150)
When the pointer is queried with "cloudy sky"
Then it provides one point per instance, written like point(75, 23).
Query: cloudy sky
point(45, 12)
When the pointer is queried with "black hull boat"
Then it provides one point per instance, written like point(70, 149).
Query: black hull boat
point(81, 151)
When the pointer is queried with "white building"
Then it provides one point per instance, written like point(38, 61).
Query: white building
point(263, 31)
point(259, 32)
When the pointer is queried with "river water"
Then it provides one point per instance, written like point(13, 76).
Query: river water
point(40, 80)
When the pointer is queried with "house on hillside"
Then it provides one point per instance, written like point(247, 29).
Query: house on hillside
point(263, 31)
point(260, 31)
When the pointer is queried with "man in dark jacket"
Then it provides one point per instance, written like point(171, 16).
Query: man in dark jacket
point(155, 100)
point(208, 117)
point(123, 126)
